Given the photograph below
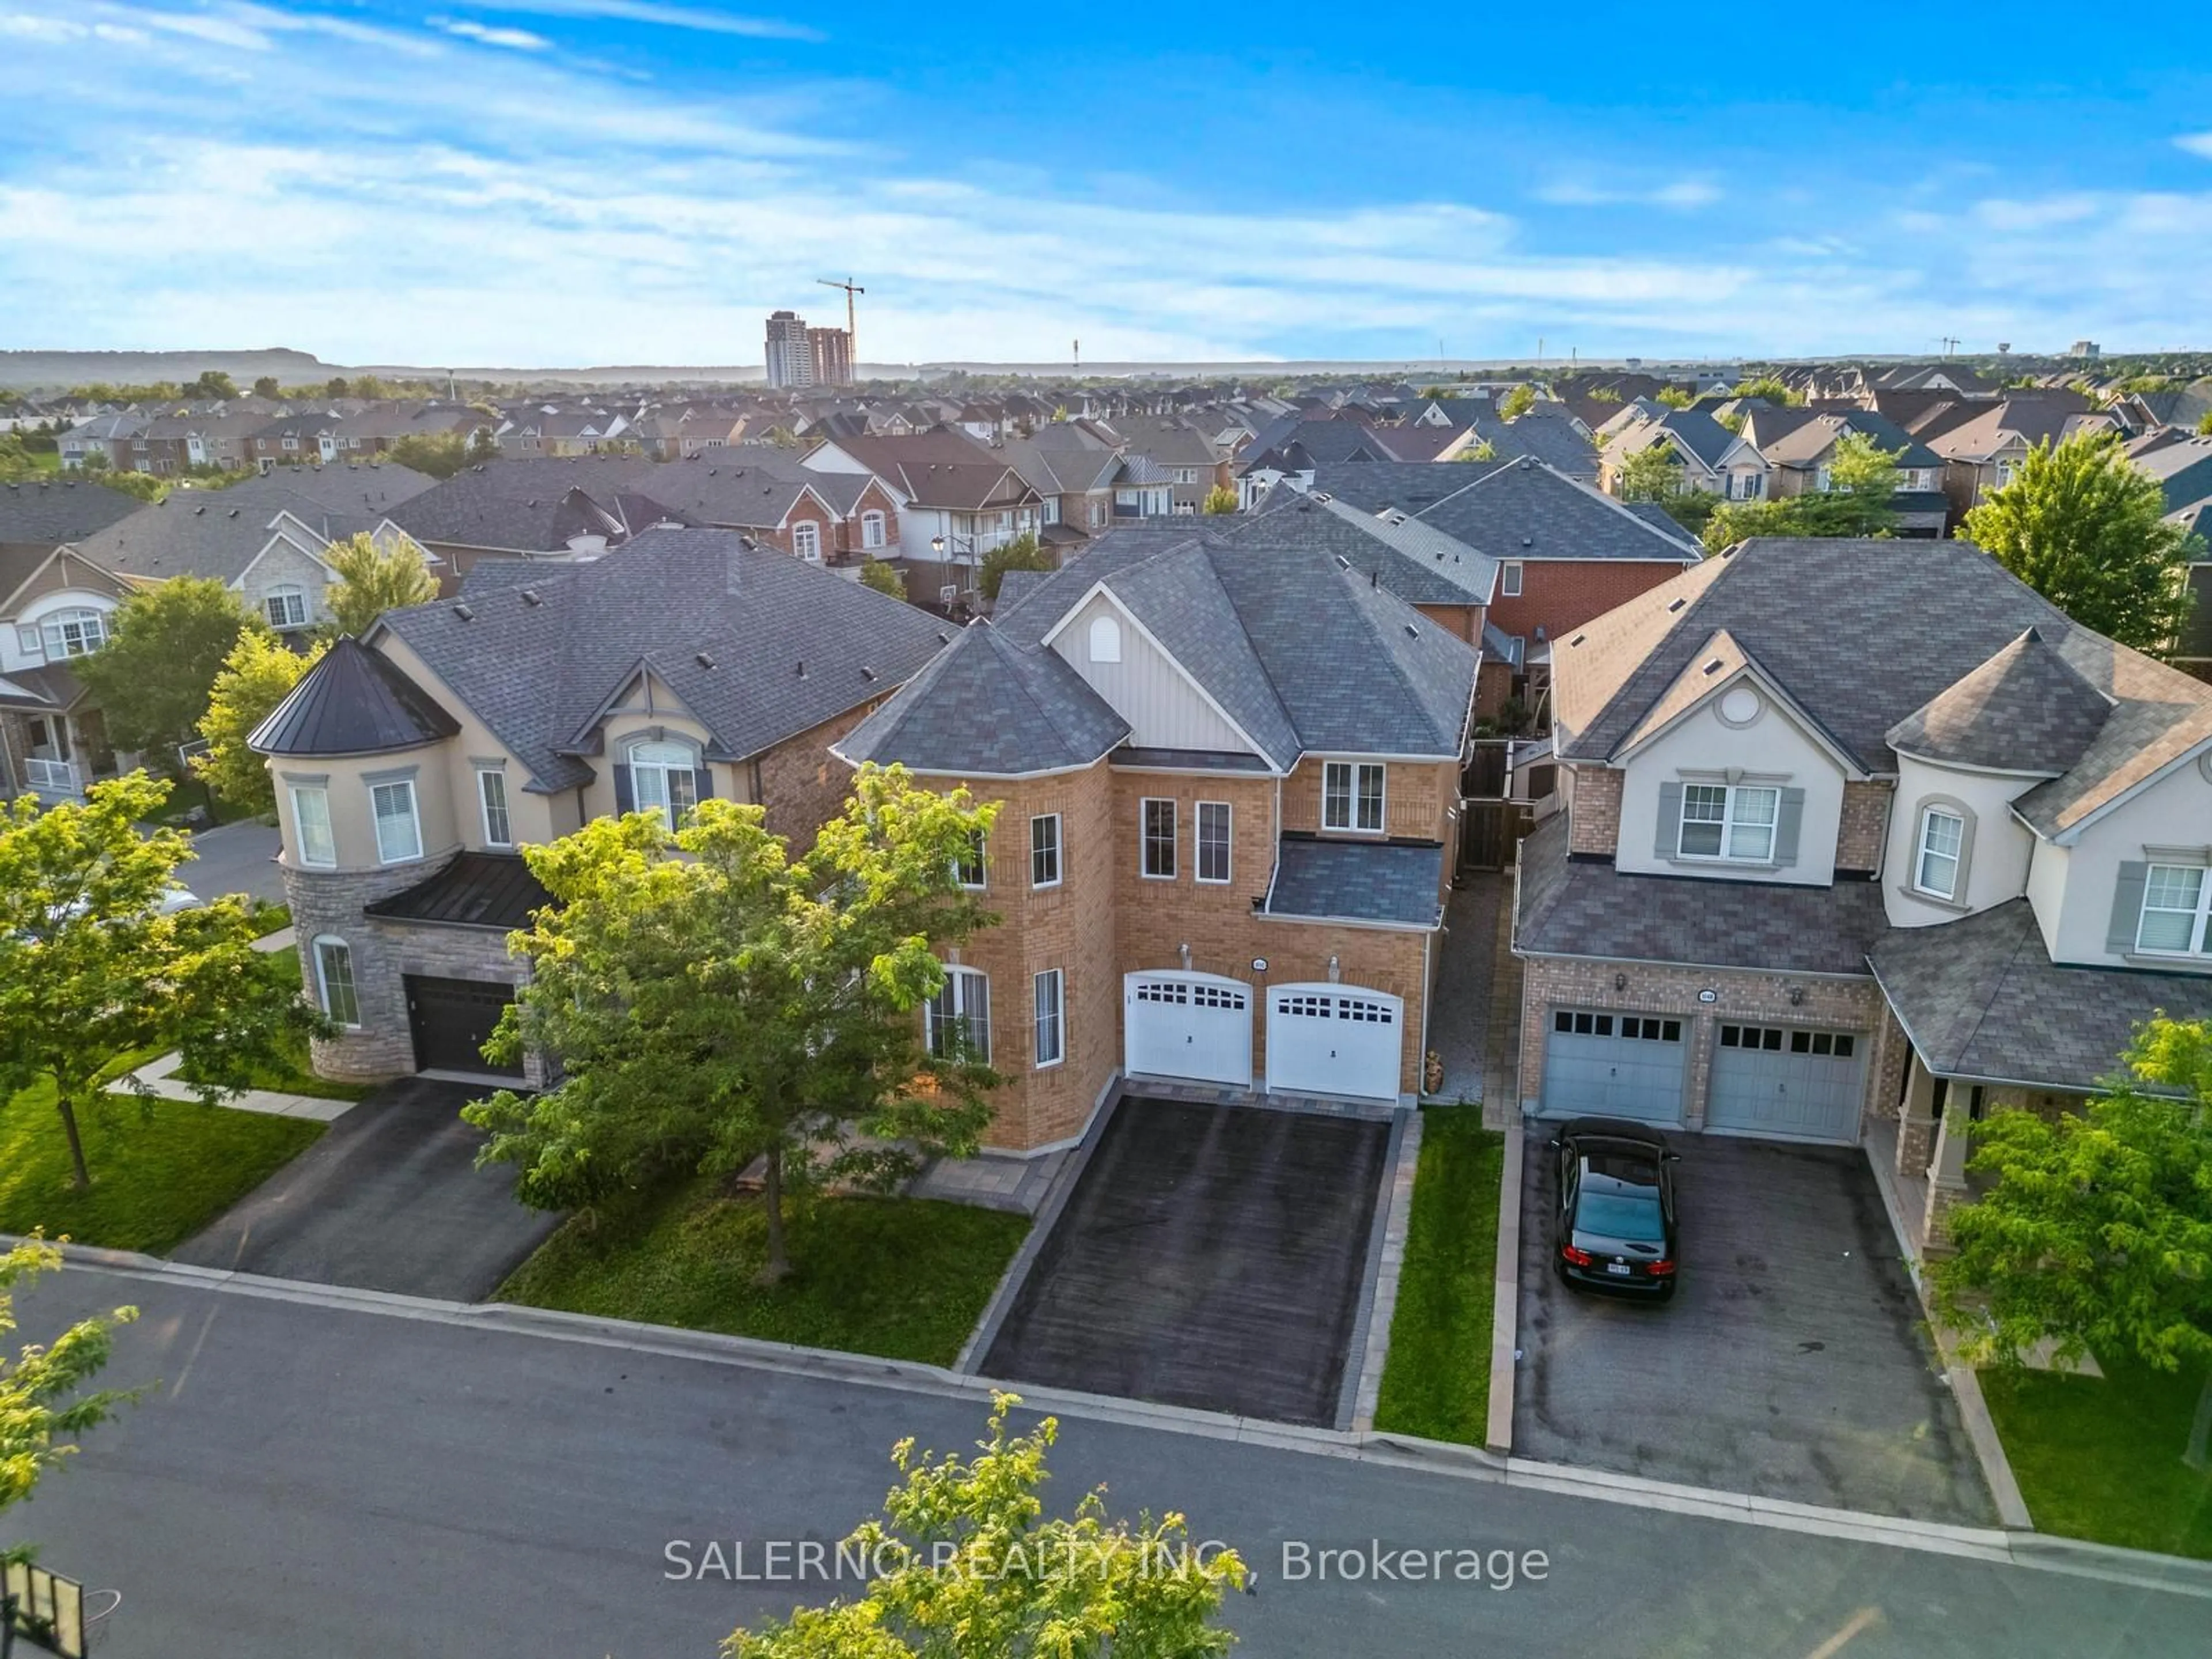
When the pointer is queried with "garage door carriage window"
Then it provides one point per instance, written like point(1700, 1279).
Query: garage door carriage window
point(1575, 1024)
point(334, 986)
point(959, 1017)
point(1774, 1039)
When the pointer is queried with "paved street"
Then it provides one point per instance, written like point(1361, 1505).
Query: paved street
point(236, 858)
point(306, 1480)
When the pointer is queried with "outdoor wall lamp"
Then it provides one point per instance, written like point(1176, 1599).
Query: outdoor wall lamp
point(1796, 995)
point(1621, 981)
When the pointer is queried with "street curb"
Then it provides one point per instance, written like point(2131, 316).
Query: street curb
point(2032, 1550)
point(1505, 1295)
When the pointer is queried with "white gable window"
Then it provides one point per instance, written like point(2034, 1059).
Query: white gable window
point(1729, 822)
point(1105, 639)
point(1509, 580)
point(1044, 850)
point(77, 633)
point(871, 529)
point(286, 607)
point(334, 984)
point(398, 830)
point(959, 1017)
point(807, 540)
point(664, 778)
point(311, 826)
point(2177, 911)
point(492, 792)
point(1942, 843)
point(1351, 796)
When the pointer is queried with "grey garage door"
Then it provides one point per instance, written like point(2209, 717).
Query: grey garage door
point(1803, 1086)
point(1614, 1066)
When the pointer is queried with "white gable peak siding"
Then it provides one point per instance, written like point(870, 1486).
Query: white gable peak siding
point(1146, 687)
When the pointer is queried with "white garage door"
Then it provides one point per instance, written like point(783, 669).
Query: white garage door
point(1333, 1040)
point(1801, 1085)
point(1614, 1066)
point(1187, 1025)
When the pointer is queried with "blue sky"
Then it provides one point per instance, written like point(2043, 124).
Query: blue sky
point(570, 182)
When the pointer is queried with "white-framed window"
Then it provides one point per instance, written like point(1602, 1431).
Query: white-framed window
point(807, 540)
point(871, 529)
point(1509, 579)
point(398, 830)
point(1105, 639)
point(1044, 850)
point(1942, 844)
point(334, 986)
point(287, 607)
point(1728, 821)
point(1214, 841)
point(291, 442)
point(1351, 796)
point(972, 869)
point(1050, 1015)
point(1157, 834)
point(73, 633)
point(491, 793)
point(2177, 911)
point(959, 1016)
point(311, 826)
point(664, 778)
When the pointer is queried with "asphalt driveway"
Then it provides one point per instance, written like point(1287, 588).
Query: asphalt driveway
point(1210, 1256)
point(390, 1198)
point(235, 858)
point(1792, 1362)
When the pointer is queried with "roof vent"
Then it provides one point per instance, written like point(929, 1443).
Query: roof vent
point(703, 660)
point(531, 595)
point(1528, 541)
point(1712, 667)
point(1677, 606)
point(1576, 640)
point(1412, 632)
point(802, 668)
point(866, 672)
point(944, 638)
point(464, 613)
point(1528, 461)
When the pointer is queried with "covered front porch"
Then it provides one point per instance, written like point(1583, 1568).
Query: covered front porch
point(51, 745)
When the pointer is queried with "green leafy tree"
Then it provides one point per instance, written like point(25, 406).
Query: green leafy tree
point(91, 971)
point(482, 446)
point(2096, 1235)
point(259, 673)
point(1654, 473)
point(2204, 426)
point(372, 581)
point(44, 1407)
point(1772, 388)
point(713, 1001)
point(1481, 450)
point(439, 454)
point(213, 385)
point(335, 386)
point(1862, 469)
point(1676, 397)
point(1219, 500)
point(884, 576)
point(1603, 394)
point(1518, 402)
point(968, 1563)
point(267, 386)
point(167, 644)
point(1022, 553)
point(2082, 526)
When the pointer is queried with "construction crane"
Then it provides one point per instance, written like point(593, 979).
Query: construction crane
point(852, 334)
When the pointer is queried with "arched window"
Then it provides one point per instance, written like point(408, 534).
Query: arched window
point(286, 607)
point(334, 986)
point(665, 778)
point(1105, 639)
point(77, 633)
point(872, 530)
point(807, 540)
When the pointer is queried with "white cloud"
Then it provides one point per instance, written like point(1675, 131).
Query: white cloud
point(701, 19)
point(2196, 143)
point(485, 35)
point(1681, 194)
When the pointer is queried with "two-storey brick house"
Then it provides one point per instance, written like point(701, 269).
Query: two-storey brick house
point(1227, 774)
point(1856, 830)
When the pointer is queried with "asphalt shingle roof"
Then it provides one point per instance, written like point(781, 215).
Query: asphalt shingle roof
point(2024, 709)
point(1414, 560)
point(45, 512)
point(1981, 997)
point(1516, 509)
point(759, 647)
point(1588, 909)
point(520, 506)
point(1357, 881)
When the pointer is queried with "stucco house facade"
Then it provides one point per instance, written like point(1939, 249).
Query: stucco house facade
point(1856, 832)
point(1227, 774)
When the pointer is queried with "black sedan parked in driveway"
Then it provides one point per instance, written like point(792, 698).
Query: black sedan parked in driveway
point(1616, 1207)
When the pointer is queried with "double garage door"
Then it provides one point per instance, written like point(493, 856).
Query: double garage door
point(1772, 1080)
point(451, 1019)
point(1322, 1039)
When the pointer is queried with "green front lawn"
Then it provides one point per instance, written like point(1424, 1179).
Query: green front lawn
point(294, 1073)
point(2101, 1460)
point(1436, 1382)
point(156, 1180)
point(906, 1279)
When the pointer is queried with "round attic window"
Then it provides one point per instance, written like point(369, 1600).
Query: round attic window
point(1741, 706)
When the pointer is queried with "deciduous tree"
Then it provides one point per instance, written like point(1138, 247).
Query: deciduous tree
point(91, 970)
point(1022, 553)
point(1518, 402)
point(259, 673)
point(2084, 527)
point(438, 454)
point(884, 576)
point(1220, 499)
point(2096, 1235)
point(1772, 388)
point(967, 1562)
point(1652, 474)
point(44, 1405)
point(268, 386)
point(372, 581)
point(713, 1001)
point(167, 644)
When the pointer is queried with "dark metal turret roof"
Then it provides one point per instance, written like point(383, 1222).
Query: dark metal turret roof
point(354, 701)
